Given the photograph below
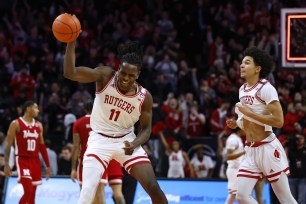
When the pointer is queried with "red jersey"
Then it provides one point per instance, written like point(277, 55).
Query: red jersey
point(26, 141)
point(82, 127)
point(195, 128)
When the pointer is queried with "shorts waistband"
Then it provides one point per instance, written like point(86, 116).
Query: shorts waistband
point(255, 144)
point(115, 137)
point(268, 139)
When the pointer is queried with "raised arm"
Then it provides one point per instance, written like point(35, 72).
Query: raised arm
point(11, 134)
point(145, 120)
point(187, 161)
point(83, 74)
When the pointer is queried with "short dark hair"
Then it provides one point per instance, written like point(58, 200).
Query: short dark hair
point(261, 58)
point(26, 105)
point(131, 52)
point(88, 106)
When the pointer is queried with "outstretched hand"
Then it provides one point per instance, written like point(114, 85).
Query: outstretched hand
point(129, 148)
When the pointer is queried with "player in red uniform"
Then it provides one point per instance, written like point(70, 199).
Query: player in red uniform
point(27, 133)
point(81, 130)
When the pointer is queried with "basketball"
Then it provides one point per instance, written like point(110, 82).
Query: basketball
point(66, 28)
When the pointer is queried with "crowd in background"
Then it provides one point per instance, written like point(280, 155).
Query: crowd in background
point(192, 53)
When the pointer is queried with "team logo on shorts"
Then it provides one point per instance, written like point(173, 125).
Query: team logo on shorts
point(277, 154)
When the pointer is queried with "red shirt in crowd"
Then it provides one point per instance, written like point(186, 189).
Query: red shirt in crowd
point(23, 84)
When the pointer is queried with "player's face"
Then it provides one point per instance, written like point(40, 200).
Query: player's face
point(175, 145)
point(127, 76)
point(248, 68)
point(33, 110)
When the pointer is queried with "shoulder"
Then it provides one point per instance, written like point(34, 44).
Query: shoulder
point(148, 101)
point(105, 72)
point(231, 139)
point(39, 124)
point(266, 85)
point(15, 123)
point(242, 87)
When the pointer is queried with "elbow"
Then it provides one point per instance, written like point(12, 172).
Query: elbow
point(279, 124)
point(68, 75)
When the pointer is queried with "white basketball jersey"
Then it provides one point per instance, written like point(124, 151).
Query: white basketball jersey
point(234, 142)
point(114, 113)
point(202, 167)
point(176, 165)
point(257, 98)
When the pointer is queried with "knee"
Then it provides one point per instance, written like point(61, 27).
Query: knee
point(242, 198)
point(152, 186)
point(87, 193)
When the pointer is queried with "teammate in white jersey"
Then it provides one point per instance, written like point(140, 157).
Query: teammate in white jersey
point(120, 102)
point(235, 154)
point(258, 111)
point(177, 159)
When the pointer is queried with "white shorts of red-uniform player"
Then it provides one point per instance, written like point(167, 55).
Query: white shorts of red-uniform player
point(113, 175)
point(265, 158)
point(103, 149)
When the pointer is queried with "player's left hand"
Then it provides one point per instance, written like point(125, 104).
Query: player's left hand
point(243, 109)
point(48, 173)
point(129, 148)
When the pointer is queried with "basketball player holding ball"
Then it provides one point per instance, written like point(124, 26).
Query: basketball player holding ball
point(258, 111)
point(119, 103)
point(113, 174)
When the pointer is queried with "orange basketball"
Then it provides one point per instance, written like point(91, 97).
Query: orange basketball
point(66, 27)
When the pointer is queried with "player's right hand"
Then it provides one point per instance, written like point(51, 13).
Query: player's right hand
point(231, 123)
point(7, 170)
point(73, 175)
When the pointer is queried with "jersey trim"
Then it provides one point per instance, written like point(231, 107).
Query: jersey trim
point(106, 85)
point(25, 123)
point(134, 161)
point(250, 89)
point(128, 96)
point(108, 136)
point(256, 94)
point(140, 106)
point(99, 160)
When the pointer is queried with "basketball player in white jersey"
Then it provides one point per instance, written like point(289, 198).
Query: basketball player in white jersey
point(235, 154)
point(258, 111)
point(177, 159)
point(119, 103)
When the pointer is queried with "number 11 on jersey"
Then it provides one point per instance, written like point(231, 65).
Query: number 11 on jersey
point(114, 115)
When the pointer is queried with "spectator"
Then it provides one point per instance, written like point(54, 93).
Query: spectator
point(203, 165)
point(196, 122)
point(218, 118)
point(173, 120)
point(293, 118)
point(23, 85)
point(64, 161)
point(297, 164)
point(177, 159)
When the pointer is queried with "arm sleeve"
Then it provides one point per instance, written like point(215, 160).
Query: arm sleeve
point(230, 144)
point(75, 127)
point(44, 154)
point(268, 93)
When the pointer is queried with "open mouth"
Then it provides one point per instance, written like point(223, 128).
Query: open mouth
point(124, 84)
